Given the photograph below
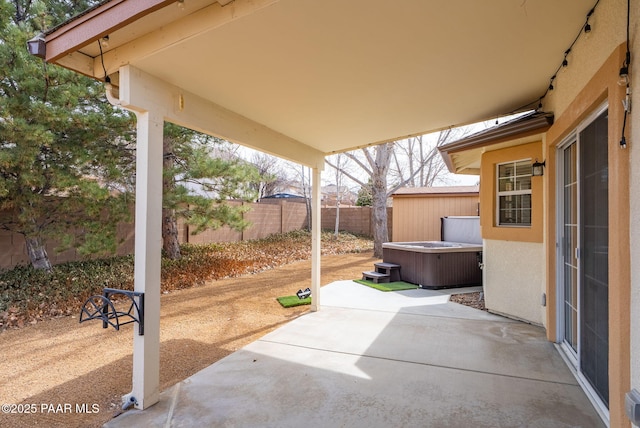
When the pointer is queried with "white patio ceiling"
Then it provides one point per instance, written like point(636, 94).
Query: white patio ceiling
point(340, 74)
point(302, 79)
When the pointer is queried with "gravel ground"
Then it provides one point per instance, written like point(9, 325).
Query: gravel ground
point(60, 373)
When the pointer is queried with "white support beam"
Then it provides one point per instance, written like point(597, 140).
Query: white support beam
point(194, 112)
point(148, 235)
point(315, 238)
point(154, 101)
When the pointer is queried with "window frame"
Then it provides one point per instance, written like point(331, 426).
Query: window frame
point(516, 192)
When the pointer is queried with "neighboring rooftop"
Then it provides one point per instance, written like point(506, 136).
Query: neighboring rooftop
point(283, 196)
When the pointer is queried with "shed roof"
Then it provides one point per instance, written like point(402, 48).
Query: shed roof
point(437, 191)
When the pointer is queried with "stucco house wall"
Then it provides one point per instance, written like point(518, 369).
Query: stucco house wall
point(588, 85)
point(513, 258)
point(588, 82)
point(591, 82)
point(516, 293)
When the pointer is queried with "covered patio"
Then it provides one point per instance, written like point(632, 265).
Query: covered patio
point(341, 367)
point(303, 79)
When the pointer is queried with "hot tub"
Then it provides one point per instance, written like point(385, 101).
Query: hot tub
point(440, 264)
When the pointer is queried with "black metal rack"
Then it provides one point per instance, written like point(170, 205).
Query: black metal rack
point(101, 307)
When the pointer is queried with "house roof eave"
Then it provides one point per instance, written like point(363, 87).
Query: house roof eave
point(84, 28)
point(518, 131)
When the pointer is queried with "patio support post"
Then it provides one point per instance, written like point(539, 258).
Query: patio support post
point(148, 235)
point(155, 101)
point(315, 239)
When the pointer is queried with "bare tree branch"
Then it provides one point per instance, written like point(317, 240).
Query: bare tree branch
point(361, 164)
point(351, 176)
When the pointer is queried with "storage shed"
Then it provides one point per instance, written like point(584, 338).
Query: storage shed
point(417, 210)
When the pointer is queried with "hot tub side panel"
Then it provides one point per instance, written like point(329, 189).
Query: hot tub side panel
point(436, 270)
point(406, 260)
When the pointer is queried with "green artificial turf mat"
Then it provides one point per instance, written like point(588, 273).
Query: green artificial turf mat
point(389, 286)
point(291, 301)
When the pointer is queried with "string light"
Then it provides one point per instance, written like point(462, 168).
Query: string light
point(624, 76)
point(625, 81)
point(587, 26)
point(107, 79)
point(565, 63)
point(584, 29)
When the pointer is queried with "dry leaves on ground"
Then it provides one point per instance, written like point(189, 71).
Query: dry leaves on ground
point(474, 300)
point(28, 296)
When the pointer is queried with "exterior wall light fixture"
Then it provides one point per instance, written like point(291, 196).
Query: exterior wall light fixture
point(537, 168)
point(37, 46)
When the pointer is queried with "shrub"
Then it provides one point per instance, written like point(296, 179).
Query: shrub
point(29, 296)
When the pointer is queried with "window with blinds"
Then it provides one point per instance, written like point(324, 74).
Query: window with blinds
point(514, 193)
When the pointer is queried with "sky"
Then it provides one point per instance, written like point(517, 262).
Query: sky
point(449, 179)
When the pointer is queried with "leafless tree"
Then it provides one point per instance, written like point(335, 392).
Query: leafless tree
point(409, 162)
point(305, 180)
point(376, 163)
point(417, 161)
point(273, 178)
point(339, 161)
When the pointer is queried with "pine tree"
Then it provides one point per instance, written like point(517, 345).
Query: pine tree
point(364, 195)
point(65, 156)
point(199, 181)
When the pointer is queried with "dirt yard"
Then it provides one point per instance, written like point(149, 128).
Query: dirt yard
point(60, 373)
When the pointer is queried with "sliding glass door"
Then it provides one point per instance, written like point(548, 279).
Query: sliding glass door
point(584, 253)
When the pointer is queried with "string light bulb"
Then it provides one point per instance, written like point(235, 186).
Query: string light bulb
point(623, 80)
point(565, 63)
point(587, 26)
point(105, 41)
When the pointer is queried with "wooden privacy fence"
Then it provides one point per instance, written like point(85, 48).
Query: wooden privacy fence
point(357, 220)
point(267, 218)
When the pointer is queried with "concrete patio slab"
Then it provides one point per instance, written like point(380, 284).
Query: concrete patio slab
point(376, 359)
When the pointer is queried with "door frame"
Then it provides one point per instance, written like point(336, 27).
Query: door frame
point(571, 357)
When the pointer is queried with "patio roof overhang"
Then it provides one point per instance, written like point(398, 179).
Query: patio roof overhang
point(311, 78)
point(463, 156)
point(301, 79)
